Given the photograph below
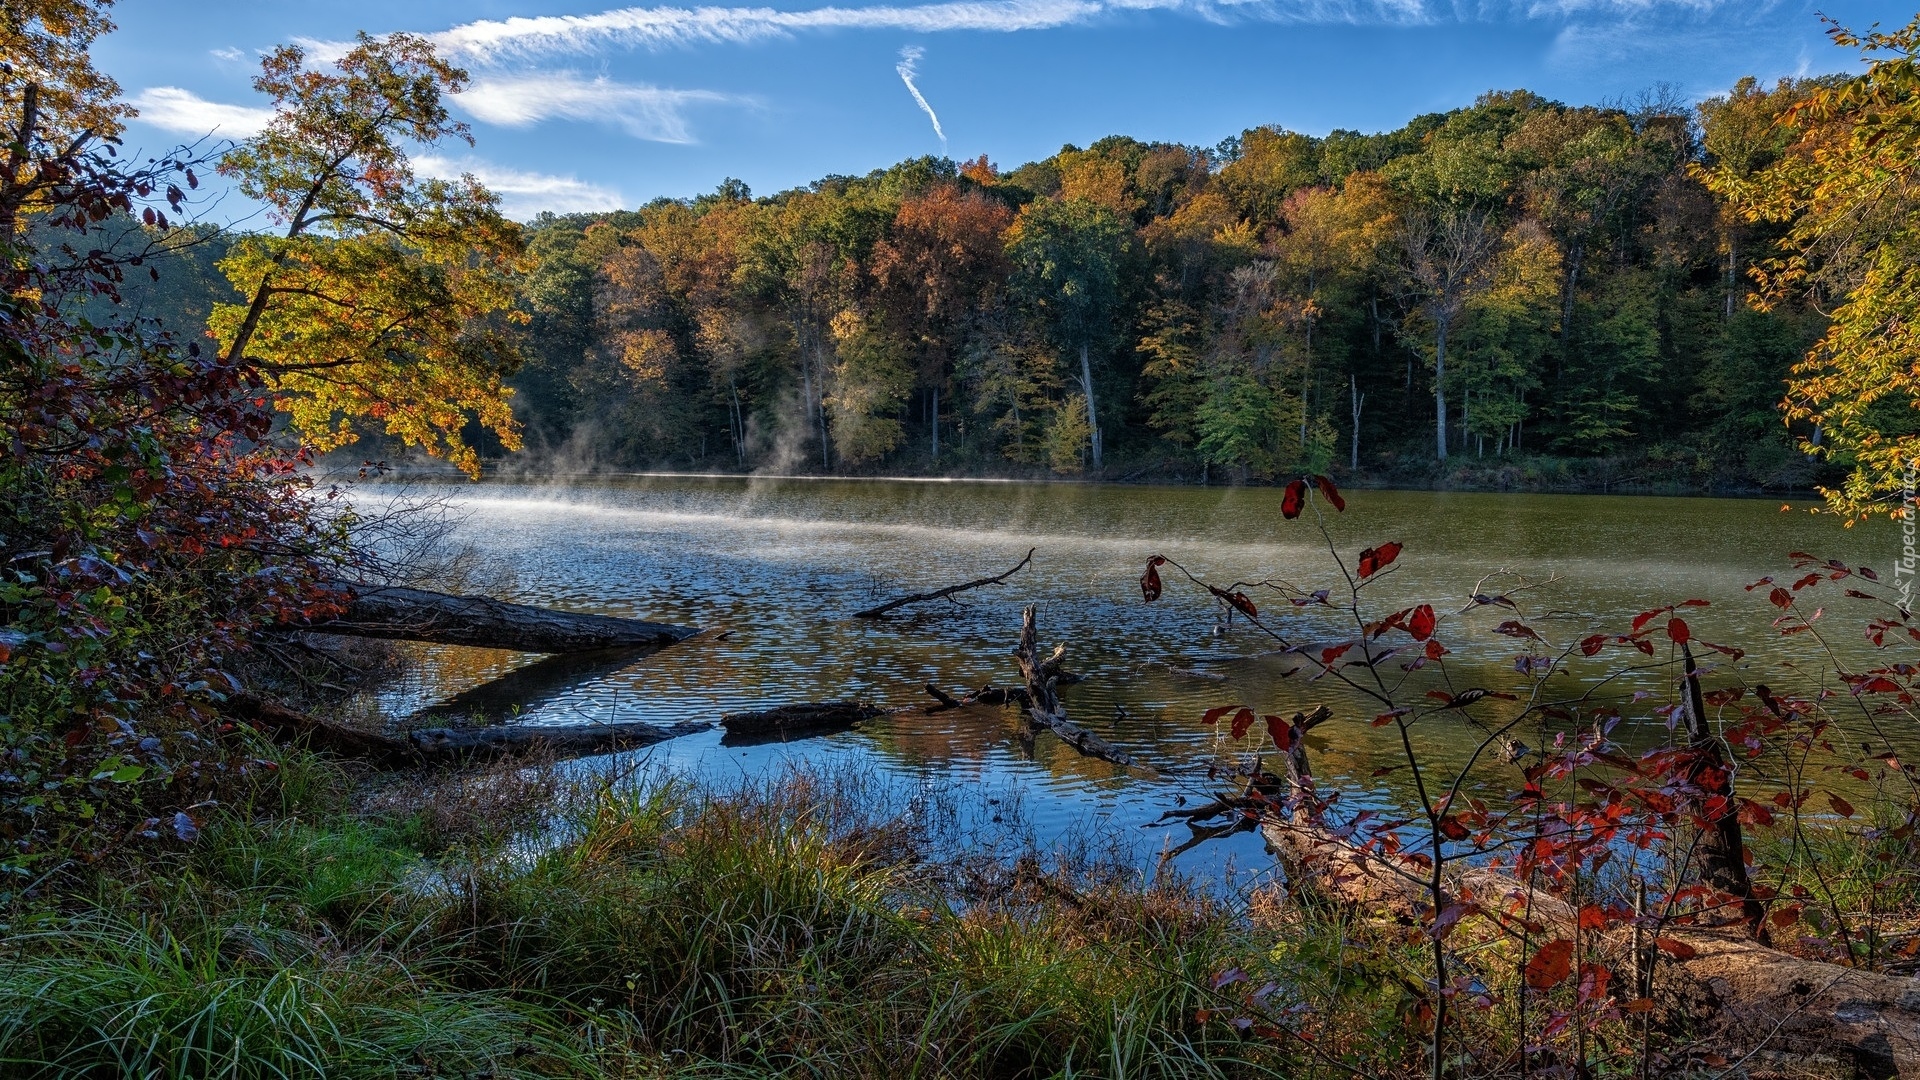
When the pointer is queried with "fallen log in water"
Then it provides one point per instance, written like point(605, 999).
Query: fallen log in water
point(432, 746)
point(785, 721)
point(943, 594)
point(1043, 707)
point(398, 613)
point(1753, 997)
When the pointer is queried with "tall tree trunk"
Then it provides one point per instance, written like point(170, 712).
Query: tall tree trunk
point(1440, 386)
point(826, 461)
point(936, 423)
point(1359, 399)
point(1086, 383)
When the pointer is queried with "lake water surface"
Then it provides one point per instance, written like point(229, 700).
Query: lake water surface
point(782, 565)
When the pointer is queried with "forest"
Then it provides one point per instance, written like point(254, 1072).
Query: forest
point(1516, 281)
point(1509, 821)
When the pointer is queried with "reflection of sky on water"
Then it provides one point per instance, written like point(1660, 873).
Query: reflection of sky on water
point(782, 565)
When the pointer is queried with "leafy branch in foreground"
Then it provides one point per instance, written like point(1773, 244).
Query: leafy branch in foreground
point(1640, 839)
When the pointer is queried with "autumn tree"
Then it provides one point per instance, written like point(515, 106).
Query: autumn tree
point(1845, 188)
point(940, 265)
point(52, 95)
point(382, 295)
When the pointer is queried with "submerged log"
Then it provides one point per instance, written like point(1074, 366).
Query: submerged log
point(784, 720)
point(394, 612)
point(1755, 997)
point(943, 594)
point(431, 746)
point(1043, 707)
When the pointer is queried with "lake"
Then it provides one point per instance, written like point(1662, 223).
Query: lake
point(782, 565)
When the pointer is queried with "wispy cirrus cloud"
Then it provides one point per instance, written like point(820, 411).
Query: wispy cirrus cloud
point(525, 37)
point(658, 27)
point(653, 113)
point(524, 194)
point(171, 108)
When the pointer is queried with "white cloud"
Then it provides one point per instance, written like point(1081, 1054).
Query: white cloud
point(655, 27)
point(524, 194)
point(229, 55)
point(490, 40)
point(645, 112)
point(173, 109)
point(909, 57)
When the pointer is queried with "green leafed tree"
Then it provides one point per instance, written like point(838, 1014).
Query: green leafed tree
point(381, 295)
point(1068, 257)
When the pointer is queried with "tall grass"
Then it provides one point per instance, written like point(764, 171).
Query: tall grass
point(797, 927)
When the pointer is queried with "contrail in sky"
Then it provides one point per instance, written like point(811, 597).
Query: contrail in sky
point(910, 56)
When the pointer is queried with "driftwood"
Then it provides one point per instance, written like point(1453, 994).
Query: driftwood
point(1043, 707)
point(816, 718)
point(1758, 999)
point(426, 746)
point(986, 695)
point(943, 594)
point(390, 611)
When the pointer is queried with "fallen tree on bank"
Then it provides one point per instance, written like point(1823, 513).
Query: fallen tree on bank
point(402, 614)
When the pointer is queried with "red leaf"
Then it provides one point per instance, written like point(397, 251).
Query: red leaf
point(1294, 498)
point(1329, 655)
point(1213, 715)
point(1452, 829)
point(1150, 585)
point(1239, 600)
point(1678, 631)
point(1780, 597)
point(1242, 723)
point(1551, 965)
point(1515, 628)
point(1810, 579)
point(1435, 650)
point(1646, 617)
point(1420, 623)
point(1441, 696)
point(1332, 493)
point(1374, 560)
point(1879, 684)
point(1282, 733)
point(1591, 645)
point(1679, 950)
point(1386, 718)
point(1840, 805)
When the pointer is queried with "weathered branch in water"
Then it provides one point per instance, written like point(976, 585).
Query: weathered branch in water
point(394, 612)
point(1754, 997)
point(1043, 704)
point(437, 746)
point(942, 594)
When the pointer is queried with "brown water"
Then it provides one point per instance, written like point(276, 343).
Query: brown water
point(783, 564)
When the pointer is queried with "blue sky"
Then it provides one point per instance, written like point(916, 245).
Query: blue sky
point(579, 106)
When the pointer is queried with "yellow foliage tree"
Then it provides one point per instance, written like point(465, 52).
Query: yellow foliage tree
point(1847, 187)
point(387, 296)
